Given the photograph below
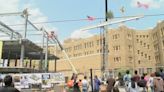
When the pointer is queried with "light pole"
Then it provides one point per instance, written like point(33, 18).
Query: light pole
point(104, 62)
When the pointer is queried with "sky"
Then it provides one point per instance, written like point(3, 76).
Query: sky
point(56, 11)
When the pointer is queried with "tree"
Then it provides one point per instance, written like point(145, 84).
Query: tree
point(110, 14)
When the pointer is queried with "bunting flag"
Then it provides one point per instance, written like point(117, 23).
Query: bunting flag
point(90, 18)
point(122, 9)
point(139, 4)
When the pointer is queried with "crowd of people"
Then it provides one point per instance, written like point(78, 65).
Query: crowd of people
point(153, 82)
point(84, 85)
point(145, 83)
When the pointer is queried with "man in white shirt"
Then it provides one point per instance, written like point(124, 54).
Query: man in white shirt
point(85, 84)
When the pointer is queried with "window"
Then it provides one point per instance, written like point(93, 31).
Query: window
point(139, 62)
point(117, 59)
point(148, 46)
point(116, 48)
point(98, 42)
point(130, 59)
point(141, 42)
point(144, 44)
point(137, 40)
point(138, 51)
point(85, 45)
point(156, 47)
point(100, 50)
point(141, 53)
point(130, 47)
point(129, 36)
point(116, 36)
point(149, 57)
point(141, 71)
point(149, 70)
point(145, 55)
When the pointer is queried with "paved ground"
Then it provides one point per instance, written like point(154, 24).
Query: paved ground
point(122, 89)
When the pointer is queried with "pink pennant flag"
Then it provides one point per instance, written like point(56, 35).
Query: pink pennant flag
point(146, 6)
point(91, 18)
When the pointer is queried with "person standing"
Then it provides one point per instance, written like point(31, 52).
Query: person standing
point(85, 84)
point(110, 84)
point(132, 86)
point(127, 79)
point(158, 83)
point(151, 83)
point(96, 82)
point(9, 87)
point(136, 76)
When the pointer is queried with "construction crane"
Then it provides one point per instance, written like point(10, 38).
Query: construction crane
point(111, 22)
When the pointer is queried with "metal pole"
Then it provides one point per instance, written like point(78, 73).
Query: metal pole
point(106, 10)
point(91, 79)
point(55, 65)
point(46, 56)
point(104, 64)
point(41, 52)
point(24, 37)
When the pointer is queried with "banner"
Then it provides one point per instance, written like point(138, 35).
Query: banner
point(45, 79)
point(1, 49)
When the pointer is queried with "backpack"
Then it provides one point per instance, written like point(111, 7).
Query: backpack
point(141, 83)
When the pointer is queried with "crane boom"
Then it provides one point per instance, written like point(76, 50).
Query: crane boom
point(69, 61)
point(110, 22)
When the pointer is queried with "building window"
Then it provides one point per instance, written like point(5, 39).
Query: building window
point(141, 71)
point(144, 44)
point(139, 62)
point(130, 47)
point(117, 59)
point(141, 53)
point(149, 57)
point(148, 46)
point(97, 51)
point(149, 70)
point(100, 50)
point(116, 36)
point(98, 42)
point(130, 59)
point(141, 42)
point(137, 40)
point(85, 45)
point(145, 55)
point(116, 48)
point(138, 51)
point(129, 36)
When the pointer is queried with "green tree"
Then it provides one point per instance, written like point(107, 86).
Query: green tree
point(110, 14)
